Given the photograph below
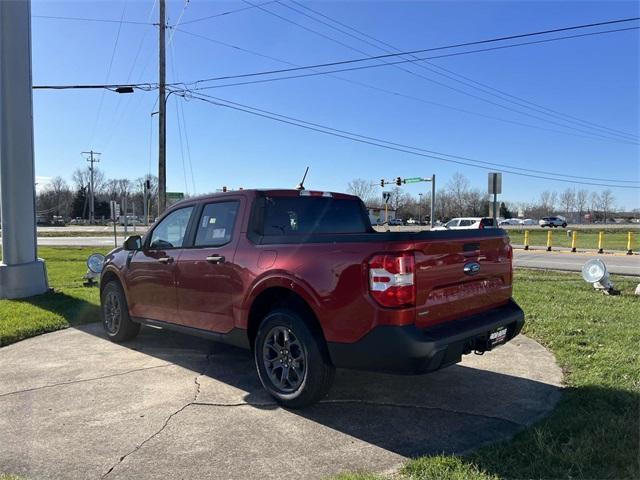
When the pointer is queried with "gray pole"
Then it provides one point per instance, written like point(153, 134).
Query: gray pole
point(144, 198)
point(162, 118)
point(22, 274)
point(495, 200)
point(91, 160)
point(433, 200)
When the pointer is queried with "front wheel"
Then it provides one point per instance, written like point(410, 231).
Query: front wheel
point(115, 314)
point(291, 361)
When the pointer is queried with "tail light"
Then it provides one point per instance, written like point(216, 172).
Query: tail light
point(481, 225)
point(392, 279)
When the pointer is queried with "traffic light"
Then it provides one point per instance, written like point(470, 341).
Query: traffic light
point(382, 183)
point(398, 181)
point(224, 189)
point(147, 184)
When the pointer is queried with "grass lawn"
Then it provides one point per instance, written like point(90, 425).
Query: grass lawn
point(614, 239)
point(594, 431)
point(70, 303)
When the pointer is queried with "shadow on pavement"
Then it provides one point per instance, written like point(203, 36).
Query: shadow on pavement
point(453, 410)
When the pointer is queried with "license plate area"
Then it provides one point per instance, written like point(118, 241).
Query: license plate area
point(497, 336)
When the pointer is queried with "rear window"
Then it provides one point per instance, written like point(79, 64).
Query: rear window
point(305, 215)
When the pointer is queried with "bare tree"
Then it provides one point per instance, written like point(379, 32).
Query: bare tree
point(548, 200)
point(594, 201)
point(607, 201)
point(458, 187)
point(362, 188)
point(582, 201)
point(568, 201)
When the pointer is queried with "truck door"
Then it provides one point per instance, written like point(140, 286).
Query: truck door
point(206, 276)
point(151, 274)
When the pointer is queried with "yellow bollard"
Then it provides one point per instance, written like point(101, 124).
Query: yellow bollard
point(629, 243)
point(526, 239)
point(549, 239)
point(574, 240)
point(601, 242)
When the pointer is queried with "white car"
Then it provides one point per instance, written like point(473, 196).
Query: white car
point(552, 222)
point(467, 223)
point(528, 221)
point(509, 221)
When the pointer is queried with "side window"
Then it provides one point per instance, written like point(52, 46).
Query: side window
point(170, 231)
point(452, 223)
point(466, 223)
point(215, 227)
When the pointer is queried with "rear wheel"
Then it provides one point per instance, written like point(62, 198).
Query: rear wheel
point(291, 361)
point(115, 314)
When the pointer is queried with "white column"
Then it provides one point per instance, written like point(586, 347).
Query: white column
point(22, 274)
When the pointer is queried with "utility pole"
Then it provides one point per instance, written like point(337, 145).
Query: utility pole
point(162, 116)
point(22, 273)
point(91, 160)
point(433, 200)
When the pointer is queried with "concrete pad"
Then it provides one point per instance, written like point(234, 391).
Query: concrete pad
point(74, 405)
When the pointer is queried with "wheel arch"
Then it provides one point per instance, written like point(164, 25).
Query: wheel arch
point(278, 296)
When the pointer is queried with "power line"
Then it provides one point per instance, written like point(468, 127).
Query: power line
point(366, 59)
point(316, 73)
point(384, 90)
point(133, 65)
point(227, 12)
point(376, 141)
point(113, 54)
point(452, 75)
point(101, 20)
point(423, 77)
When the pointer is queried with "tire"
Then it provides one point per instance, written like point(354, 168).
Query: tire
point(283, 341)
point(564, 225)
point(114, 311)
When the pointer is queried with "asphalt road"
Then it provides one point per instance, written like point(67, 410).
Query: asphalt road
point(75, 405)
point(616, 263)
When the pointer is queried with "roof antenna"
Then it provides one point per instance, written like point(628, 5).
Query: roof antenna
point(301, 184)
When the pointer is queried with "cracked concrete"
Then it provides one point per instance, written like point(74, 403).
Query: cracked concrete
point(74, 405)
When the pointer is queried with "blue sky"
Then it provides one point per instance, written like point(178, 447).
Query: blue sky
point(593, 78)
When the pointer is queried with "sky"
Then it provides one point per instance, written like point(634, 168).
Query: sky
point(593, 79)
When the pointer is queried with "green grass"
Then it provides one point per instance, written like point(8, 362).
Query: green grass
point(613, 239)
point(70, 303)
point(594, 431)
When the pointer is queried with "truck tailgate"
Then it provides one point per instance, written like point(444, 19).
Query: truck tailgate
point(446, 290)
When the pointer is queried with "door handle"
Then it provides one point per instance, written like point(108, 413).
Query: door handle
point(165, 260)
point(215, 259)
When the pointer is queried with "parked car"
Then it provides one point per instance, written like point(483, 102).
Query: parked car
point(467, 223)
point(508, 221)
point(395, 222)
point(528, 221)
point(303, 280)
point(552, 222)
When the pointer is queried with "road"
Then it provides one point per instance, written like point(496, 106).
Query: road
point(75, 405)
point(617, 264)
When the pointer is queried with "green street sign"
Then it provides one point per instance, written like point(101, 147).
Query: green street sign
point(174, 197)
point(413, 180)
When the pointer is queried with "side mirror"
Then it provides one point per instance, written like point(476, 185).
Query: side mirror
point(133, 243)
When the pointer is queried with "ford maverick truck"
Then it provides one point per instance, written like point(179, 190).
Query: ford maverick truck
point(303, 280)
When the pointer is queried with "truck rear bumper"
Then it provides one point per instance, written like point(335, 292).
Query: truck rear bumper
point(409, 349)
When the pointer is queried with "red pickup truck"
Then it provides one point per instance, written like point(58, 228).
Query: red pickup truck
point(302, 279)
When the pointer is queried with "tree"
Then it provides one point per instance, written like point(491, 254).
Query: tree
point(548, 201)
point(361, 188)
point(504, 211)
point(582, 200)
point(607, 201)
point(458, 188)
point(79, 204)
point(568, 201)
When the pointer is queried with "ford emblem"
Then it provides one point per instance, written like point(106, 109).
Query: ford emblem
point(471, 268)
